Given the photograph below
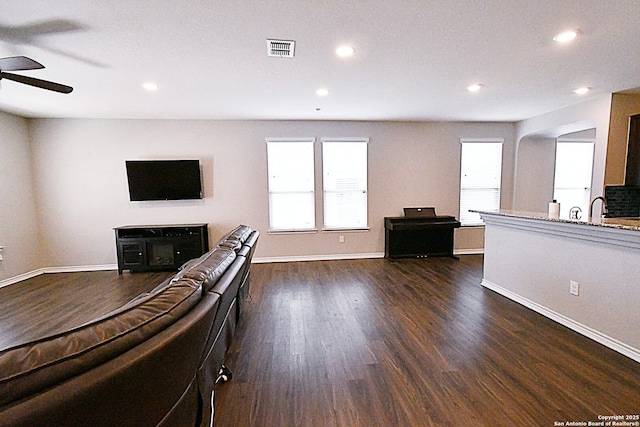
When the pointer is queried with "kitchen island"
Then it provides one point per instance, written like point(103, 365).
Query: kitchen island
point(582, 274)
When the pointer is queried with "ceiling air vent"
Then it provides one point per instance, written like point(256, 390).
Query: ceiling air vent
point(281, 48)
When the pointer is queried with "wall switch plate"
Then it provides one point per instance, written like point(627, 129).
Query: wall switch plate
point(341, 239)
point(574, 288)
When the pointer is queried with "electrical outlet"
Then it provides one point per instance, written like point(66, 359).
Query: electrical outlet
point(574, 288)
point(341, 239)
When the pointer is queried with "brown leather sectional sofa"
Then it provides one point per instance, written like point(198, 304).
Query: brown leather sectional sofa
point(152, 362)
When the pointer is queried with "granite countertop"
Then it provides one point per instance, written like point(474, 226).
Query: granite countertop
point(619, 223)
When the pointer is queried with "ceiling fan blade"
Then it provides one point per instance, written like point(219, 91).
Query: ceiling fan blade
point(39, 28)
point(17, 63)
point(44, 84)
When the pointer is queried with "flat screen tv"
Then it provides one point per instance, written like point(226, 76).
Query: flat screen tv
point(164, 179)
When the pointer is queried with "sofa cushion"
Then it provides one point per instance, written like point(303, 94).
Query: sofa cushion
point(152, 384)
point(236, 237)
point(252, 239)
point(31, 367)
point(207, 269)
point(241, 233)
point(244, 251)
point(231, 243)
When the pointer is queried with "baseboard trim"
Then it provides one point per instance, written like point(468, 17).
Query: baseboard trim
point(333, 257)
point(80, 268)
point(45, 270)
point(107, 267)
point(256, 260)
point(262, 260)
point(478, 251)
point(607, 341)
point(21, 277)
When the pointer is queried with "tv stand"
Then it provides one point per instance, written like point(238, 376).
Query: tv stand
point(159, 247)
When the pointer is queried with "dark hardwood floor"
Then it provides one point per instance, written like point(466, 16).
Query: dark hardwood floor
point(370, 343)
point(52, 303)
point(409, 343)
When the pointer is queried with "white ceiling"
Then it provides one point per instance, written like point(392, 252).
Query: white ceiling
point(413, 58)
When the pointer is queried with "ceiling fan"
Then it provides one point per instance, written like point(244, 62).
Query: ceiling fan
point(19, 63)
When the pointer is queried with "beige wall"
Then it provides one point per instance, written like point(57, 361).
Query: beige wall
point(535, 150)
point(63, 214)
point(622, 107)
point(18, 210)
point(82, 192)
point(536, 160)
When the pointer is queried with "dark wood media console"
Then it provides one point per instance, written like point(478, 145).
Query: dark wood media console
point(407, 237)
point(159, 247)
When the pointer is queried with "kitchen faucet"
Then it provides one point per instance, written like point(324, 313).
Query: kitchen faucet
point(604, 209)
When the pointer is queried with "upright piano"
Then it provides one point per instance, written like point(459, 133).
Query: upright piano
point(420, 233)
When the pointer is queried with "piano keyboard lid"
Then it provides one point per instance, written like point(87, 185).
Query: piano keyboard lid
point(425, 212)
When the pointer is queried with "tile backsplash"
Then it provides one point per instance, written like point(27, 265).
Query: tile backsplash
point(622, 201)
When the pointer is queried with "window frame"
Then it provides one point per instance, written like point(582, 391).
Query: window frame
point(464, 215)
point(361, 189)
point(311, 187)
point(590, 143)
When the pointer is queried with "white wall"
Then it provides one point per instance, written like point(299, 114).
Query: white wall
point(82, 190)
point(18, 209)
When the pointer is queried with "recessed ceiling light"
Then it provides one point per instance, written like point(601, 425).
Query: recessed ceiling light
point(150, 86)
point(566, 36)
point(474, 87)
point(582, 90)
point(344, 51)
point(322, 92)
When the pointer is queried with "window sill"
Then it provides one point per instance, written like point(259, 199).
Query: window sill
point(472, 225)
point(346, 230)
point(309, 231)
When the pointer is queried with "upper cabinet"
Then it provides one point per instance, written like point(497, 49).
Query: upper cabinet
point(632, 174)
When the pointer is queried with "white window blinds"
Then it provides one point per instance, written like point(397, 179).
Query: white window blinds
point(344, 183)
point(480, 176)
point(572, 183)
point(291, 184)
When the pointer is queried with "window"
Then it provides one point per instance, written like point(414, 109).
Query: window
point(572, 183)
point(480, 175)
point(291, 184)
point(344, 183)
